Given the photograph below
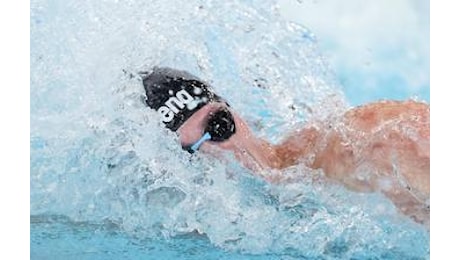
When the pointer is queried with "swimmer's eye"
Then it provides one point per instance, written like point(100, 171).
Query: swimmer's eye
point(219, 127)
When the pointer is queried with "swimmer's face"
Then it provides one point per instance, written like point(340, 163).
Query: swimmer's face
point(193, 129)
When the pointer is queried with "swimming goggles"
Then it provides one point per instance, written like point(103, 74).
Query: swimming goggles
point(219, 127)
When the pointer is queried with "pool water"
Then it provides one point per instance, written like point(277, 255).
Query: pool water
point(109, 182)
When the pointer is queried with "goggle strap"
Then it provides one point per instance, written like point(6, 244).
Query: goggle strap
point(203, 139)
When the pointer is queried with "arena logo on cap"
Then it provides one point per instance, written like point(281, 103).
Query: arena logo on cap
point(174, 105)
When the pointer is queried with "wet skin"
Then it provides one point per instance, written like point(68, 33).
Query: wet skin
point(382, 146)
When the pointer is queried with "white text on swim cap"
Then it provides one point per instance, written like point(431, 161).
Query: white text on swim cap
point(174, 104)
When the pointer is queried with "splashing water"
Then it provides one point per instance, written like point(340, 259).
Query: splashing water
point(99, 155)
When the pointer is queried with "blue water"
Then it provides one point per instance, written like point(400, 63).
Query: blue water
point(108, 182)
point(378, 50)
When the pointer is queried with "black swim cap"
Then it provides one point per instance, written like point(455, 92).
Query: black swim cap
point(176, 95)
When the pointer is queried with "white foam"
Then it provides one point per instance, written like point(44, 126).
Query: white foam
point(99, 154)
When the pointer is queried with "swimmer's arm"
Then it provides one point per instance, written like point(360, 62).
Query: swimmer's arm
point(299, 145)
point(364, 119)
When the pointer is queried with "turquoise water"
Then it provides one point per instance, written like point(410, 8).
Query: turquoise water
point(108, 182)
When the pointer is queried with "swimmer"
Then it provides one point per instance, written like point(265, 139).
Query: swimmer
point(378, 147)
